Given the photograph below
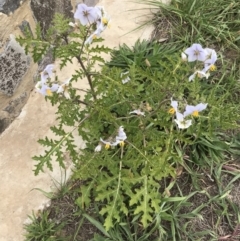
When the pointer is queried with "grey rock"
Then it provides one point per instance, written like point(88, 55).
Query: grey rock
point(13, 65)
point(12, 111)
point(44, 10)
point(25, 27)
point(14, 106)
point(5, 121)
point(7, 6)
point(47, 59)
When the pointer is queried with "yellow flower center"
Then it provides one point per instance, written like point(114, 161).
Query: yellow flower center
point(171, 111)
point(104, 21)
point(121, 143)
point(94, 36)
point(49, 92)
point(212, 67)
point(107, 146)
point(195, 113)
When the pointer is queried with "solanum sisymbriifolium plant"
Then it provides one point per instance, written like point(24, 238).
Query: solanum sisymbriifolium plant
point(140, 122)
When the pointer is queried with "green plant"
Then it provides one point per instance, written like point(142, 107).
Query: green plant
point(209, 22)
point(136, 117)
point(60, 188)
point(42, 228)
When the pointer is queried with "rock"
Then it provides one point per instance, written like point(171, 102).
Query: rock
point(13, 65)
point(25, 26)
point(44, 10)
point(5, 120)
point(16, 68)
point(8, 6)
point(14, 106)
point(47, 59)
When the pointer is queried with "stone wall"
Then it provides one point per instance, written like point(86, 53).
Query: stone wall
point(8, 6)
point(17, 70)
point(44, 10)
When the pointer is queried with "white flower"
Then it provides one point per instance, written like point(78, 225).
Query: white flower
point(108, 144)
point(211, 56)
point(200, 74)
point(85, 14)
point(174, 108)
point(194, 110)
point(126, 79)
point(208, 67)
point(47, 73)
point(103, 23)
point(98, 148)
point(49, 69)
point(44, 89)
point(100, 11)
point(184, 57)
point(121, 134)
point(119, 139)
point(63, 88)
point(138, 112)
point(92, 36)
point(90, 39)
point(181, 122)
point(195, 52)
point(103, 18)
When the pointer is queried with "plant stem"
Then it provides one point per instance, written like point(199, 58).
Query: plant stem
point(159, 106)
point(88, 77)
point(82, 102)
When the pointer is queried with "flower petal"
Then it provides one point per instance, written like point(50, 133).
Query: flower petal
point(201, 107)
point(189, 110)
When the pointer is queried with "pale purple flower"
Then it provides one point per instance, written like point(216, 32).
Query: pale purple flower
point(206, 68)
point(49, 69)
point(94, 35)
point(44, 89)
point(200, 74)
point(47, 73)
point(63, 88)
point(181, 122)
point(89, 39)
point(174, 108)
point(100, 11)
point(174, 104)
point(85, 14)
point(195, 52)
point(194, 110)
point(138, 112)
point(121, 134)
point(103, 23)
point(211, 56)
